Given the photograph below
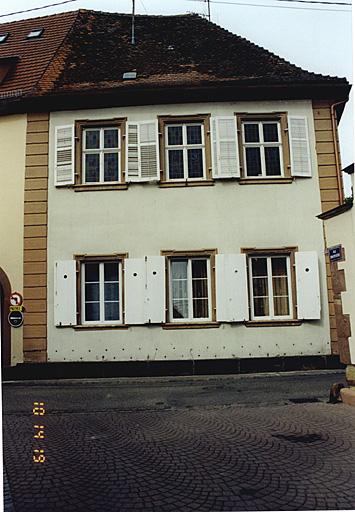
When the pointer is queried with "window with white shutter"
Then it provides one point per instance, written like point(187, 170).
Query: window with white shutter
point(142, 151)
point(190, 286)
point(64, 156)
point(100, 153)
point(225, 158)
point(264, 147)
point(299, 147)
point(185, 149)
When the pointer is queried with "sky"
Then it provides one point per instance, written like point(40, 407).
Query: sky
point(316, 37)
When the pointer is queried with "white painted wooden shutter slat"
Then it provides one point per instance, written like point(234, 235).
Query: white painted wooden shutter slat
point(299, 147)
point(307, 285)
point(134, 290)
point(231, 288)
point(132, 152)
point(65, 293)
point(155, 289)
point(142, 151)
point(64, 156)
point(225, 158)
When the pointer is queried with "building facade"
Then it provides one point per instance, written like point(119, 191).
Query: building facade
point(173, 210)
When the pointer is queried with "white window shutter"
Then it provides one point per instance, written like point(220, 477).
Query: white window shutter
point(65, 293)
point(231, 288)
point(149, 155)
point(64, 156)
point(299, 147)
point(155, 290)
point(142, 151)
point(307, 285)
point(225, 158)
point(134, 290)
point(132, 152)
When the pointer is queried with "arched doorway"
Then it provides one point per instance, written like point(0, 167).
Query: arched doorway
point(5, 329)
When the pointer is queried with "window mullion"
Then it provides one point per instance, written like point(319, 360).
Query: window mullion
point(262, 149)
point(102, 292)
point(190, 296)
point(271, 293)
point(251, 286)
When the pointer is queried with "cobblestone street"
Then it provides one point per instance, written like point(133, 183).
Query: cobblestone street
point(292, 456)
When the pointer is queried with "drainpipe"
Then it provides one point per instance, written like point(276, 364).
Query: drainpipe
point(337, 149)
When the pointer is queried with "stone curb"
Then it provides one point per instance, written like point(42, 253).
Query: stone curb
point(169, 379)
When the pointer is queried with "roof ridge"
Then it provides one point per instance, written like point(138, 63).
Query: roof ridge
point(64, 13)
point(93, 11)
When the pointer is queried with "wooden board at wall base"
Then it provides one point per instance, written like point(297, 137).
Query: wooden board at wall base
point(35, 356)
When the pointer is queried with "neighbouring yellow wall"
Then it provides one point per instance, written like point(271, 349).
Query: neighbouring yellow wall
point(12, 169)
point(341, 230)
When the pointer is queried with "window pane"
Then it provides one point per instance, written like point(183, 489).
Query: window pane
point(92, 292)
point(92, 311)
point(179, 269)
point(251, 132)
point(111, 271)
point(112, 311)
point(180, 308)
point(200, 288)
point(92, 168)
point(111, 138)
point(272, 161)
point(92, 139)
point(260, 287)
point(111, 167)
point(281, 306)
point(259, 267)
point(111, 291)
point(179, 289)
point(174, 135)
point(279, 266)
point(91, 272)
point(194, 134)
point(199, 268)
point(195, 163)
point(280, 286)
point(261, 306)
point(270, 132)
point(200, 308)
point(253, 161)
point(176, 165)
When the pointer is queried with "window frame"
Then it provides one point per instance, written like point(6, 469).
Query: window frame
point(80, 287)
point(164, 122)
point(275, 117)
point(289, 253)
point(207, 254)
point(81, 126)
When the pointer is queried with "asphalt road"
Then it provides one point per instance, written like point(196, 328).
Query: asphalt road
point(251, 442)
point(165, 392)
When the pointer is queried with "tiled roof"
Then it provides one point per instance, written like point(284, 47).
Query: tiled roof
point(170, 51)
point(34, 55)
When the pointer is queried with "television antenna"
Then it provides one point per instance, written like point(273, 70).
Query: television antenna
point(133, 41)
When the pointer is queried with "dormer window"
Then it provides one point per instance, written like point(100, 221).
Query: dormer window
point(7, 64)
point(35, 34)
point(3, 37)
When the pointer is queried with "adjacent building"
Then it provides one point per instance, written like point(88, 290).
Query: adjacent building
point(171, 188)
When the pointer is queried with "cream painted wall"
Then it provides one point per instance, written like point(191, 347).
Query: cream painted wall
point(12, 158)
point(145, 219)
point(341, 230)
